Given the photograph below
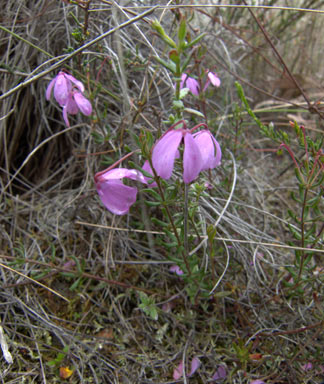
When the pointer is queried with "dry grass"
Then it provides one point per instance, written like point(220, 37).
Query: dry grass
point(72, 273)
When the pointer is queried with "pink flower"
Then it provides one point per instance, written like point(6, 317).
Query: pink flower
point(166, 151)
point(176, 269)
point(75, 102)
point(212, 78)
point(257, 382)
point(209, 148)
point(178, 371)
point(220, 374)
point(116, 196)
point(68, 92)
point(201, 152)
point(307, 367)
point(62, 84)
point(191, 83)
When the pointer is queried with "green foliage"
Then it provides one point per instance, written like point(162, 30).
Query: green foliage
point(269, 131)
point(58, 360)
point(148, 306)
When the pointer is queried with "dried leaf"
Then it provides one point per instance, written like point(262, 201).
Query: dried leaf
point(65, 372)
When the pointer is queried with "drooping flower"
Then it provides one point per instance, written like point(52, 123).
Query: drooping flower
point(201, 152)
point(209, 148)
point(75, 102)
point(212, 78)
point(166, 151)
point(62, 84)
point(191, 83)
point(68, 92)
point(116, 196)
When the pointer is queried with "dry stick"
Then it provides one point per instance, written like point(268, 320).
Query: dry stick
point(232, 30)
point(292, 331)
point(242, 80)
point(193, 6)
point(311, 107)
point(34, 281)
point(76, 52)
point(68, 270)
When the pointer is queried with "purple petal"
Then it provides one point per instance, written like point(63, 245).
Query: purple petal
point(62, 89)
point(49, 88)
point(167, 307)
point(307, 367)
point(206, 85)
point(183, 80)
point(193, 85)
point(83, 103)
point(220, 374)
point(116, 196)
point(178, 371)
point(65, 117)
point(176, 269)
point(195, 364)
point(192, 160)
point(71, 106)
point(76, 82)
point(120, 173)
point(214, 79)
point(257, 382)
point(209, 148)
point(165, 151)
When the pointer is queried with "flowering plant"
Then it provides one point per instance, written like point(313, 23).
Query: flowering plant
point(68, 92)
point(201, 152)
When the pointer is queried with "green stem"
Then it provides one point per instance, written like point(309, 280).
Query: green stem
point(185, 220)
point(174, 228)
point(302, 241)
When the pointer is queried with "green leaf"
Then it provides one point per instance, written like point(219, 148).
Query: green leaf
point(195, 41)
point(310, 232)
point(174, 56)
point(159, 29)
point(211, 233)
point(242, 97)
point(167, 64)
point(177, 104)
point(294, 232)
point(194, 112)
point(299, 176)
point(148, 306)
point(182, 31)
point(183, 93)
point(223, 294)
point(153, 203)
point(153, 193)
point(315, 200)
point(158, 222)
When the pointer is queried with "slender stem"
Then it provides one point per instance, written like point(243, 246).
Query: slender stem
point(98, 174)
point(174, 228)
point(302, 240)
point(178, 82)
point(185, 220)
